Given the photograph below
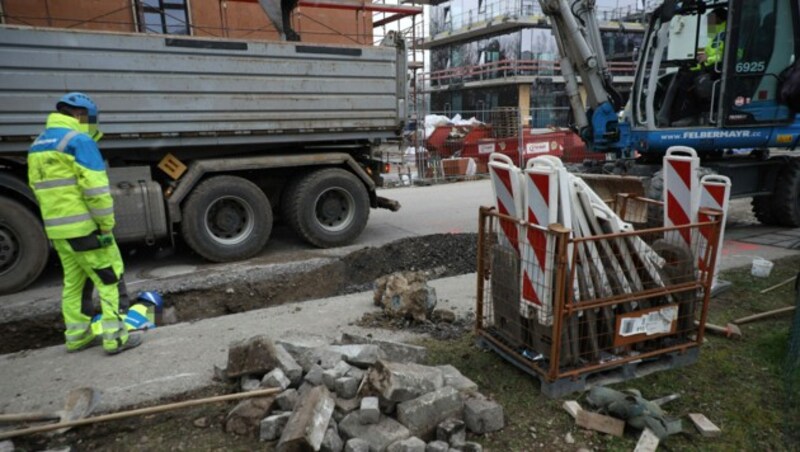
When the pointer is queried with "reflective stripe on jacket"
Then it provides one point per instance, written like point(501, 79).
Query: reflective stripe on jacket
point(68, 176)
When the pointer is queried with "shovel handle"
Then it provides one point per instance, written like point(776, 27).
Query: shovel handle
point(28, 417)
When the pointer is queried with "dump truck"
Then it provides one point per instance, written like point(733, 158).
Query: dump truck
point(205, 139)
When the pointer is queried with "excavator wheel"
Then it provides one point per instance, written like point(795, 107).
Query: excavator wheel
point(786, 199)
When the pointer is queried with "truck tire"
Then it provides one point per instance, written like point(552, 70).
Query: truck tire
point(786, 199)
point(327, 208)
point(24, 248)
point(227, 218)
point(761, 207)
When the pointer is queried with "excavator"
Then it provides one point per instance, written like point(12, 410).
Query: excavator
point(735, 116)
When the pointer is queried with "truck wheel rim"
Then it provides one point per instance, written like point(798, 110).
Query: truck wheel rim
point(9, 249)
point(229, 220)
point(335, 209)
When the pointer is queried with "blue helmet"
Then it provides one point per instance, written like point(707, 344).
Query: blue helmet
point(79, 100)
point(153, 298)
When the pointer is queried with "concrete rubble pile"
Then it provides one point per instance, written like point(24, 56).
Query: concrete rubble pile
point(359, 394)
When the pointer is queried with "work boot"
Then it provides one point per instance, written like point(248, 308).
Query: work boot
point(94, 342)
point(134, 340)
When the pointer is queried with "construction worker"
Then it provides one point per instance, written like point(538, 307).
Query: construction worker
point(713, 52)
point(68, 176)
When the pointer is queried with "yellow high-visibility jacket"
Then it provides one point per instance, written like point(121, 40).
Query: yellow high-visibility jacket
point(68, 176)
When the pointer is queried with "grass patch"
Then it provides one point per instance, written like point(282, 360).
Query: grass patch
point(744, 387)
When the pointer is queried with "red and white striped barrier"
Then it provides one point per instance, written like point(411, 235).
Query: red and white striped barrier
point(714, 194)
point(540, 180)
point(508, 198)
point(681, 192)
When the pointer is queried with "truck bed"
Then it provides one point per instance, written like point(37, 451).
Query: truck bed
point(157, 91)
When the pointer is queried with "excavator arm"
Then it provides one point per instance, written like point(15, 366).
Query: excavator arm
point(574, 25)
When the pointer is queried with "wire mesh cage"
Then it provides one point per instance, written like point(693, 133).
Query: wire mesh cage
point(562, 303)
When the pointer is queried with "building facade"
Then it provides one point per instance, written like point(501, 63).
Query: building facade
point(501, 53)
point(238, 19)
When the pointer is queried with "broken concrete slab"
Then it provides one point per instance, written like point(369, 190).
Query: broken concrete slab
point(399, 382)
point(437, 446)
point(405, 295)
point(395, 351)
point(276, 379)
point(370, 410)
point(454, 378)
point(287, 400)
point(412, 444)
point(271, 427)
point(289, 366)
point(314, 375)
point(379, 436)
point(360, 355)
point(310, 351)
point(483, 415)
point(356, 445)
point(452, 431)
point(346, 387)
point(423, 414)
point(309, 421)
point(246, 416)
point(251, 356)
point(331, 442)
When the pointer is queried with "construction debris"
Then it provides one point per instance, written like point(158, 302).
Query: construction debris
point(335, 405)
point(648, 441)
point(632, 408)
point(405, 295)
point(704, 426)
point(600, 423)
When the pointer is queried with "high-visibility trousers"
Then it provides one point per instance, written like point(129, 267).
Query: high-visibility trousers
point(86, 267)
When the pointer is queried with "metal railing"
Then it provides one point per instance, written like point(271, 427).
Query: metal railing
point(508, 68)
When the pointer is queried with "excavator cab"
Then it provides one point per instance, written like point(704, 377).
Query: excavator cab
point(712, 64)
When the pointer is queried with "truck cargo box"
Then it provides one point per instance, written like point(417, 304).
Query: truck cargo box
point(160, 91)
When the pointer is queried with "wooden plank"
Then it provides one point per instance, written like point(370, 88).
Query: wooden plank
point(600, 423)
point(572, 407)
point(648, 441)
point(704, 426)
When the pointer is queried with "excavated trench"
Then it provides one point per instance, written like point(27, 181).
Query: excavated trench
point(439, 255)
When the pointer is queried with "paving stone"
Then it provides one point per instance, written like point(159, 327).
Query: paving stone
point(356, 445)
point(248, 383)
point(412, 444)
point(251, 356)
point(314, 375)
point(276, 379)
point(452, 431)
point(304, 388)
point(471, 447)
point(331, 442)
point(347, 405)
point(246, 416)
point(330, 376)
point(398, 382)
point(287, 400)
point(289, 366)
point(379, 436)
point(483, 416)
point(394, 351)
point(437, 446)
point(309, 421)
point(346, 387)
point(370, 410)
point(360, 355)
point(423, 414)
point(453, 377)
point(311, 350)
point(356, 373)
point(272, 426)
